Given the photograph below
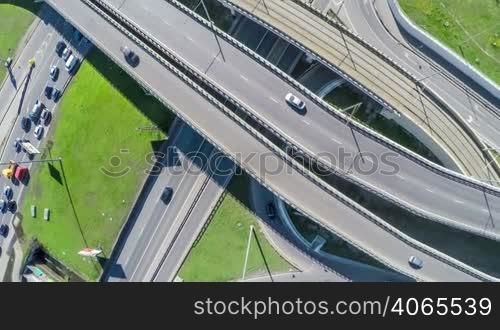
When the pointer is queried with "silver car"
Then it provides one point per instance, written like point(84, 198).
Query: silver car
point(38, 132)
point(415, 262)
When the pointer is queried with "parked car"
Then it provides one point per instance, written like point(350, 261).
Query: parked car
point(130, 56)
point(60, 48)
point(47, 117)
point(415, 262)
point(48, 91)
point(295, 102)
point(54, 73)
point(4, 230)
point(7, 191)
point(71, 63)
point(45, 114)
point(271, 211)
point(36, 111)
point(26, 124)
point(17, 144)
point(2, 205)
point(12, 206)
point(56, 94)
point(38, 132)
point(166, 195)
point(66, 53)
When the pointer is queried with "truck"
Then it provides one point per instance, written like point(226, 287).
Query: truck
point(21, 173)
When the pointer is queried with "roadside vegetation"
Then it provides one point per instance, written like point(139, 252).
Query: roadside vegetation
point(104, 123)
point(470, 27)
point(219, 256)
point(15, 18)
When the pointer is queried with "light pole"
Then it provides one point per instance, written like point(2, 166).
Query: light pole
point(213, 28)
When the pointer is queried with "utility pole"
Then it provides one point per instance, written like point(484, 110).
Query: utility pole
point(247, 253)
point(213, 28)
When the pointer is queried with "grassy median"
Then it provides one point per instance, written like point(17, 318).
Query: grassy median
point(15, 18)
point(220, 254)
point(103, 114)
point(470, 27)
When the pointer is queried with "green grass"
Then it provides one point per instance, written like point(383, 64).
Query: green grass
point(94, 122)
point(220, 254)
point(15, 18)
point(470, 27)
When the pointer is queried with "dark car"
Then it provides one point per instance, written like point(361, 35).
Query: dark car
point(36, 111)
point(166, 195)
point(4, 230)
point(2, 205)
point(271, 211)
point(48, 92)
point(60, 47)
point(130, 56)
point(56, 94)
point(17, 144)
point(12, 206)
point(26, 124)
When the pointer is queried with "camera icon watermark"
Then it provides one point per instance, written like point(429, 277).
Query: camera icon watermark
point(114, 168)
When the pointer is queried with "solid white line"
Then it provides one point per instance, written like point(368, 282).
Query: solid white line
point(458, 202)
point(243, 77)
point(306, 122)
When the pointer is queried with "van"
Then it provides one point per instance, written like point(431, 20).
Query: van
point(71, 63)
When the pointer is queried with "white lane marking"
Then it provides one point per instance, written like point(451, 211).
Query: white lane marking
point(429, 190)
point(400, 176)
point(458, 201)
point(306, 122)
point(243, 77)
point(335, 140)
point(470, 119)
point(274, 100)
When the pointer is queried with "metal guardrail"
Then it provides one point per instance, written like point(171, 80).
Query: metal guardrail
point(461, 121)
point(397, 148)
point(282, 155)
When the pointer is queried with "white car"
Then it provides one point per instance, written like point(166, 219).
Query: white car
point(295, 101)
point(38, 132)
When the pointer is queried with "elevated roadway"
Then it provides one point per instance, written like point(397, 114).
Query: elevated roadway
point(416, 184)
point(393, 87)
point(240, 142)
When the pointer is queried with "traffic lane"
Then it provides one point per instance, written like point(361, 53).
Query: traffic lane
point(142, 230)
point(196, 221)
point(45, 57)
point(317, 203)
point(477, 115)
point(185, 188)
point(318, 131)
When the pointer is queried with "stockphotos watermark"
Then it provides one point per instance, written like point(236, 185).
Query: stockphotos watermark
point(175, 162)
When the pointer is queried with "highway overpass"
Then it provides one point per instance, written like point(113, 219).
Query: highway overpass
point(419, 186)
point(240, 141)
point(381, 78)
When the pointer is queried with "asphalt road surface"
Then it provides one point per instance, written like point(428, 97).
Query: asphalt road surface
point(41, 46)
point(162, 233)
point(263, 92)
point(368, 233)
